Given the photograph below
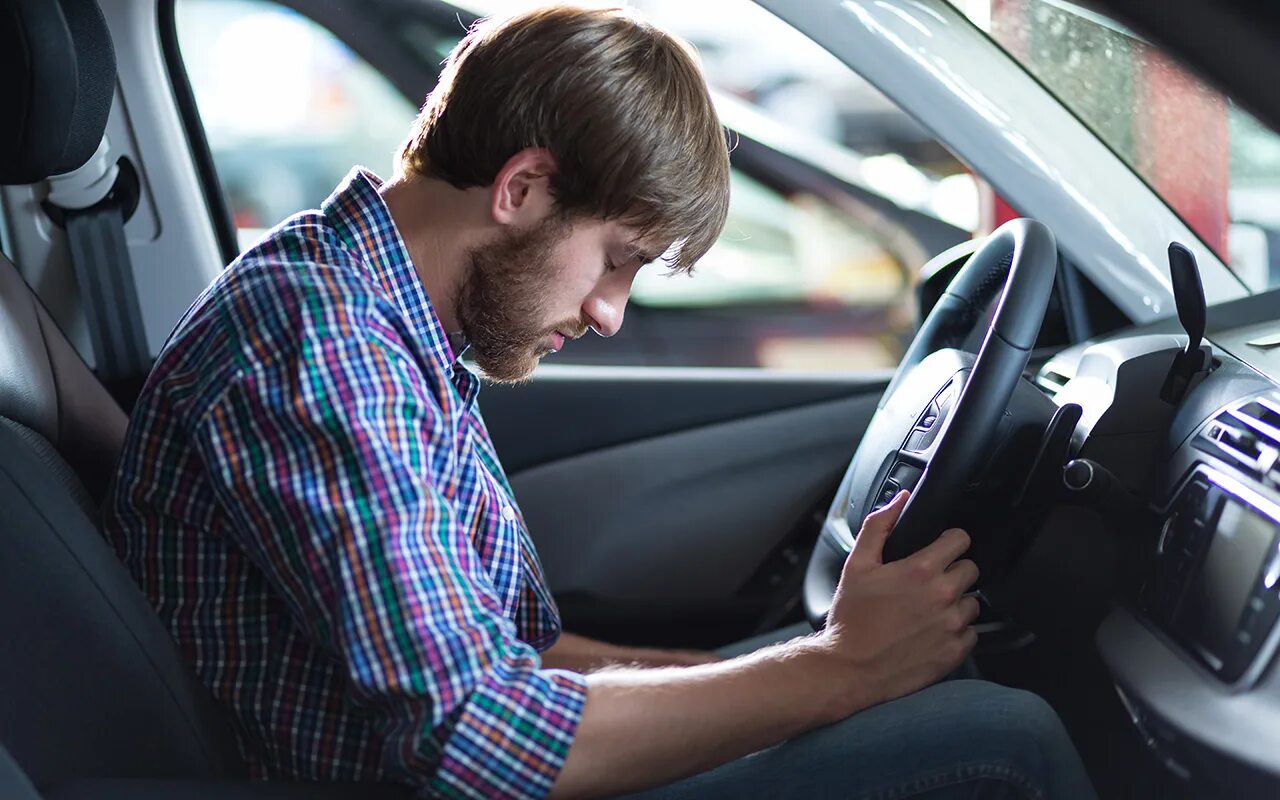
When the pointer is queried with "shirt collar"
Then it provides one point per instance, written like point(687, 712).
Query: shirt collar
point(363, 222)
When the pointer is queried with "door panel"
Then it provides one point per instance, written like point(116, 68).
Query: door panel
point(569, 410)
point(676, 509)
point(691, 515)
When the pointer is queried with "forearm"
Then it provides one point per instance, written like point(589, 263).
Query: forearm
point(581, 654)
point(643, 728)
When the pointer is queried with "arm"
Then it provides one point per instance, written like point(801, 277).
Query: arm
point(581, 654)
point(893, 628)
point(328, 455)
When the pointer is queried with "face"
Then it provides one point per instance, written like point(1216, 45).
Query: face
point(529, 291)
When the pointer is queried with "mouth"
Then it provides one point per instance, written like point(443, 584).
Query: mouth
point(557, 341)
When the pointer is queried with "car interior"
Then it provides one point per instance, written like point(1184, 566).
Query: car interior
point(1121, 480)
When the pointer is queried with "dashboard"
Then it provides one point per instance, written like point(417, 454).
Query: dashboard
point(1191, 638)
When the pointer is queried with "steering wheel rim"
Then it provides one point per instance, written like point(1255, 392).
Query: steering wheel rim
point(1021, 256)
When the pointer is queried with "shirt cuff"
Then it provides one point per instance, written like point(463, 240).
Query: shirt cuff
point(513, 734)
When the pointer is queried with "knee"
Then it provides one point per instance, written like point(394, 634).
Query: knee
point(1017, 722)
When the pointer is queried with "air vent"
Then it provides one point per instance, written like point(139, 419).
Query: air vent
point(1249, 435)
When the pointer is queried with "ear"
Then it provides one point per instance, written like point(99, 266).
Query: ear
point(521, 191)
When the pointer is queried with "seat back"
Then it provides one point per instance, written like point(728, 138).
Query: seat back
point(91, 683)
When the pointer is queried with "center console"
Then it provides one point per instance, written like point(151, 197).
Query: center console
point(1213, 585)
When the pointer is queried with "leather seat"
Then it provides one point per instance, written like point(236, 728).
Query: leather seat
point(91, 684)
point(96, 701)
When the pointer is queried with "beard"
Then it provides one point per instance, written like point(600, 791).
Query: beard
point(504, 298)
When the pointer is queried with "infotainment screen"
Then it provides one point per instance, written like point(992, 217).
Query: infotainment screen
point(1232, 567)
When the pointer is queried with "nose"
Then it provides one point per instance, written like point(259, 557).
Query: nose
point(604, 309)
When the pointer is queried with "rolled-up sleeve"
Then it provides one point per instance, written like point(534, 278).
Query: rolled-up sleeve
point(332, 460)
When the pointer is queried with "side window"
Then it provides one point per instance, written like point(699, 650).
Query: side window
point(838, 197)
point(287, 108)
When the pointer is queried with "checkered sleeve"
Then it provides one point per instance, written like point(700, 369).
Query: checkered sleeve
point(325, 455)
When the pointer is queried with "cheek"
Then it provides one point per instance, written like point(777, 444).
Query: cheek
point(575, 279)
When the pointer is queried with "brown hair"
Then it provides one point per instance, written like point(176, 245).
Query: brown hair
point(621, 105)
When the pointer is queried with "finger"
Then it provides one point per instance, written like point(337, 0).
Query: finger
point(969, 608)
point(961, 575)
point(944, 550)
point(869, 546)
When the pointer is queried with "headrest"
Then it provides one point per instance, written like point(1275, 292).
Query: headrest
point(59, 73)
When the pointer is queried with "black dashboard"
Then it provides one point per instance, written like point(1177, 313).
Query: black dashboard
point(1192, 635)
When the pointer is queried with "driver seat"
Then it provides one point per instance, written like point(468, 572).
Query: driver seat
point(96, 701)
point(91, 684)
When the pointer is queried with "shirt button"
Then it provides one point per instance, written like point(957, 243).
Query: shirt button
point(508, 513)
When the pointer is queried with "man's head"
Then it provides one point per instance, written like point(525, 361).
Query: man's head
point(595, 137)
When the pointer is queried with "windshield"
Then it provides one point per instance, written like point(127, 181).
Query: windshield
point(1211, 162)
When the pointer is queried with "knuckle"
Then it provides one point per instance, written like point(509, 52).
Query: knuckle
point(942, 594)
point(921, 569)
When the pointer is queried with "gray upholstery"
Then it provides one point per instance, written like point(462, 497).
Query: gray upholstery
point(54, 116)
point(45, 386)
point(95, 698)
point(91, 684)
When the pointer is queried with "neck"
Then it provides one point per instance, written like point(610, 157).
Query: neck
point(439, 225)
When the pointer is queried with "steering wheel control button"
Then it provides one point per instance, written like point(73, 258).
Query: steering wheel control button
point(916, 441)
point(887, 492)
point(905, 475)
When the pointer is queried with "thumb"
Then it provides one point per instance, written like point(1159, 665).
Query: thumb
point(869, 546)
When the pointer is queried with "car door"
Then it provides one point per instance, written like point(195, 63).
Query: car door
point(673, 478)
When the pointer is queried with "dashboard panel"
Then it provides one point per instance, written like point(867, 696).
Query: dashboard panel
point(1192, 637)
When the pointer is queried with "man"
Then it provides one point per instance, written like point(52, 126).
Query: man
point(309, 497)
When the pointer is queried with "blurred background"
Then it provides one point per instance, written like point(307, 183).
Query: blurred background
point(838, 196)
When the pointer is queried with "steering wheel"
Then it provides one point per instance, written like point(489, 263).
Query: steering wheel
point(934, 428)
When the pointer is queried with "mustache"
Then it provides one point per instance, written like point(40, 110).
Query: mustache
point(573, 329)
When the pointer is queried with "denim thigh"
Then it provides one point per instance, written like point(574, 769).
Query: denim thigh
point(956, 739)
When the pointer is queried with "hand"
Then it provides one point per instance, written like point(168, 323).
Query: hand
point(899, 627)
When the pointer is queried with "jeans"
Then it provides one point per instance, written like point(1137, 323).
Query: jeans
point(958, 739)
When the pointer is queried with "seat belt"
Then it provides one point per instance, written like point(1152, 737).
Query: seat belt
point(92, 205)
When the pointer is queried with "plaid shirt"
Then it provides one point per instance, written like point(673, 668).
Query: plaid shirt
point(310, 499)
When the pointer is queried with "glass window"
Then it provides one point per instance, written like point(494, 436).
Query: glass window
point(814, 269)
point(1213, 163)
point(287, 123)
point(838, 197)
